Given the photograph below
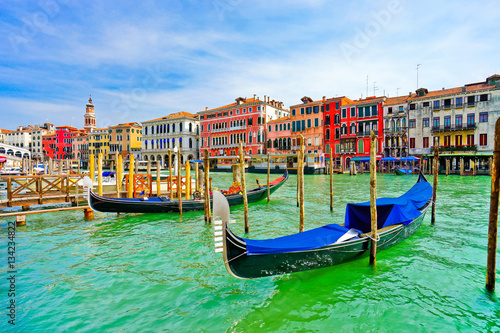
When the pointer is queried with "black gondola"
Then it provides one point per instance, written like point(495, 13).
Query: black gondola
point(164, 205)
point(398, 218)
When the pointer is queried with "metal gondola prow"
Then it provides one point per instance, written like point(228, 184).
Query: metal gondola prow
point(220, 209)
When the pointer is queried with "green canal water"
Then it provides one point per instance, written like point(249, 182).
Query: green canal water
point(159, 272)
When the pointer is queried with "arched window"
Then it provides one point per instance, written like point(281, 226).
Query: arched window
point(275, 143)
point(343, 130)
point(269, 143)
point(249, 137)
point(180, 127)
point(190, 127)
point(190, 139)
point(361, 147)
point(168, 128)
point(173, 128)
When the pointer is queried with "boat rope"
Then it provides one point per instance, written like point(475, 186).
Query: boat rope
point(378, 237)
point(236, 257)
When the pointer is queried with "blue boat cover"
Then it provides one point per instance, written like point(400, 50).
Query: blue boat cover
point(108, 173)
point(303, 241)
point(390, 211)
point(405, 171)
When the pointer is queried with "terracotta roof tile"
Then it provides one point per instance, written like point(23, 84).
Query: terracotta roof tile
point(279, 120)
point(181, 114)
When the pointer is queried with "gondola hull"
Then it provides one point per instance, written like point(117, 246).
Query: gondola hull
point(402, 172)
point(159, 205)
point(255, 266)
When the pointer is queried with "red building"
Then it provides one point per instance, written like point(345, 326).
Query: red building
point(332, 125)
point(59, 145)
point(223, 128)
point(351, 129)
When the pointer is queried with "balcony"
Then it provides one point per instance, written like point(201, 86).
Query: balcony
point(365, 134)
point(451, 128)
point(456, 148)
point(227, 129)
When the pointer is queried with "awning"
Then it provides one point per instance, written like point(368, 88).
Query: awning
point(410, 158)
point(364, 158)
point(390, 159)
point(3, 159)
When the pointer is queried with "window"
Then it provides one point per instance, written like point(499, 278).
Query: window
point(316, 122)
point(401, 109)
point(337, 105)
point(327, 134)
point(483, 117)
point(360, 112)
point(425, 142)
point(276, 127)
point(308, 110)
point(458, 102)
point(446, 140)
point(470, 140)
point(353, 112)
point(470, 120)
point(447, 103)
point(337, 133)
point(435, 122)
point(389, 110)
point(425, 104)
point(316, 109)
point(458, 140)
point(471, 100)
point(435, 105)
point(458, 121)
point(483, 98)
point(413, 106)
point(412, 123)
point(327, 120)
point(447, 121)
point(483, 139)
point(344, 113)
point(269, 128)
point(301, 110)
point(412, 142)
point(293, 112)
point(293, 126)
point(309, 123)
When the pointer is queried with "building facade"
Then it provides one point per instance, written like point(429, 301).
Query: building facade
point(332, 126)
point(59, 144)
point(20, 138)
point(307, 120)
point(99, 141)
point(176, 131)
point(223, 128)
point(396, 126)
point(279, 136)
point(461, 120)
point(123, 138)
point(81, 146)
point(37, 134)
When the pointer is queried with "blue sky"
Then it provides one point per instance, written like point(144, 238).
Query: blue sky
point(143, 60)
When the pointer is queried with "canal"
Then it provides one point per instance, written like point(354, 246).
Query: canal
point(159, 272)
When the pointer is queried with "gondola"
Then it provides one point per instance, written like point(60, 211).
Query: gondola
point(332, 244)
point(402, 172)
point(164, 205)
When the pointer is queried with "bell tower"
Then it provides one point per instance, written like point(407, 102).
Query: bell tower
point(89, 116)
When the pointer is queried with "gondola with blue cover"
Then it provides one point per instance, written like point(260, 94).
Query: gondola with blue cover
point(397, 219)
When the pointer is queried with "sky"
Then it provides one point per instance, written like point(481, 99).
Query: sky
point(141, 60)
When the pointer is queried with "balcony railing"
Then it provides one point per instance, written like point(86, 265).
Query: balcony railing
point(365, 134)
point(456, 148)
point(447, 128)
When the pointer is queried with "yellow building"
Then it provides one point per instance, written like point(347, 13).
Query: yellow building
point(124, 139)
point(99, 141)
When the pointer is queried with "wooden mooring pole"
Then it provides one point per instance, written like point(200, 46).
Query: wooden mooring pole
point(188, 180)
point(119, 176)
point(243, 186)
point(196, 175)
point(268, 172)
point(170, 174)
point(131, 177)
point(99, 174)
point(158, 179)
point(179, 180)
point(373, 198)
point(434, 187)
point(493, 221)
point(206, 165)
point(91, 166)
point(301, 207)
point(330, 167)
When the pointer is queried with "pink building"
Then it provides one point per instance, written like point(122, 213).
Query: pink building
point(279, 136)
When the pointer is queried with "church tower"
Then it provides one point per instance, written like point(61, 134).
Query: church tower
point(89, 116)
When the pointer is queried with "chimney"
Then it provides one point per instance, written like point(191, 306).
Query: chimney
point(268, 99)
point(254, 97)
point(464, 89)
point(409, 94)
point(206, 108)
point(324, 98)
point(264, 98)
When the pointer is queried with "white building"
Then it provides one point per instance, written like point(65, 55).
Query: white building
point(396, 126)
point(20, 138)
point(179, 130)
point(37, 133)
